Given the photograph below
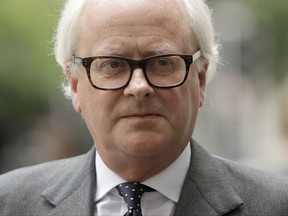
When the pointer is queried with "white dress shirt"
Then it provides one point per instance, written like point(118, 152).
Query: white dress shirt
point(168, 185)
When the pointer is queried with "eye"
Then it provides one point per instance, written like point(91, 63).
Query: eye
point(109, 65)
point(163, 62)
point(112, 64)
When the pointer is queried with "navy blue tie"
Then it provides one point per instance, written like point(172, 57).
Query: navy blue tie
point(132, 193)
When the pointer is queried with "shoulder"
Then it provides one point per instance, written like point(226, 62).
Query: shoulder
point(41, 173)
point(256, 187)
point(247, 175)
point(236, 173)
point(261, 193)
point(25, 185)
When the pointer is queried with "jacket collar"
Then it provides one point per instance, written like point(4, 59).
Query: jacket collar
point(208, 189)
point(74, 193)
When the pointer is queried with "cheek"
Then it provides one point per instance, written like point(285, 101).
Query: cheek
point(95, 112)
point(88, 101)
point(99, 108)
point(183, 109)
point(182, 103)
point(187, 100)
point(186, 97)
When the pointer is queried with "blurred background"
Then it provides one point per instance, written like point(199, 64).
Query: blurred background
point(245, 117)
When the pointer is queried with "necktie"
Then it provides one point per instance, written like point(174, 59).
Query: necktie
point(132, 193)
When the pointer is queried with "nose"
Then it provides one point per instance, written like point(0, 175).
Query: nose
point(138, 86)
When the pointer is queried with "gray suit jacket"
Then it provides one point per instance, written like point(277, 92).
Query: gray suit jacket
point(213, 186)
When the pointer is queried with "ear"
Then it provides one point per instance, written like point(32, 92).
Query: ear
point(73, 81)
point(202, 76)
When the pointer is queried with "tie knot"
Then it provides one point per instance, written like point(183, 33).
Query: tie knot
point(132, 193)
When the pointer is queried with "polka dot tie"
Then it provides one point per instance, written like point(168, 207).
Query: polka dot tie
point(132, 193)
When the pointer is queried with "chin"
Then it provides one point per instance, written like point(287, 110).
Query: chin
point(147, 145)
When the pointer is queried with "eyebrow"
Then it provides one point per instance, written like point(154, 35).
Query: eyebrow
point(166, 48)
point(163, 49)
point(111, 53)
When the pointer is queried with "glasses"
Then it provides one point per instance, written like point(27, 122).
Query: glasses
point(114, 72)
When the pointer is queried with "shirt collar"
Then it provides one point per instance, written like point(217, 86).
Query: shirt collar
point(106, 179)
point(168, 182)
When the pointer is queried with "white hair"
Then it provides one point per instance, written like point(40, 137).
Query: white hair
point(201, 24)
point(66, 36)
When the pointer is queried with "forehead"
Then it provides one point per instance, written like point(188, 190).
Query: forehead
point(158, 23)
point(118, 8)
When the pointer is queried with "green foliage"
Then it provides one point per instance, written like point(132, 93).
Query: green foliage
point(28, 71)
point(273, 17)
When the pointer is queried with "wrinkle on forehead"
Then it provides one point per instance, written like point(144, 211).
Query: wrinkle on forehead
point(116, 49)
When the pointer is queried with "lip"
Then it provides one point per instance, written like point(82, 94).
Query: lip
point(142, 115)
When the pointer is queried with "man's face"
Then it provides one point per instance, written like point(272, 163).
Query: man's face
point(138, 121)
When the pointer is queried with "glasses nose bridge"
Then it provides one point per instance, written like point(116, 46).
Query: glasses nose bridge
point(134, 64)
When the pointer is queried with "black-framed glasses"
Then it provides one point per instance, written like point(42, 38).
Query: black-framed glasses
point(115, 72)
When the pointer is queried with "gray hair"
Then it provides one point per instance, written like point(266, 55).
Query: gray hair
point(201, 23)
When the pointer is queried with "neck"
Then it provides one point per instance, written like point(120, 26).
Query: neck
point(139, 169)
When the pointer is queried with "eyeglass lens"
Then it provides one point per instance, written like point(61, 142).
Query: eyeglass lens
point(112, 72)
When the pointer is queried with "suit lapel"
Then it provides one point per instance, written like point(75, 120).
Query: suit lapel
point(73, 194)
point(208, 189)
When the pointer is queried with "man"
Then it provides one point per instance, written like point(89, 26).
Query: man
point(137, 73)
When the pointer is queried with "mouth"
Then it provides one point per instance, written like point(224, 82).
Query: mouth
point(142, 121)
point(142, 115)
